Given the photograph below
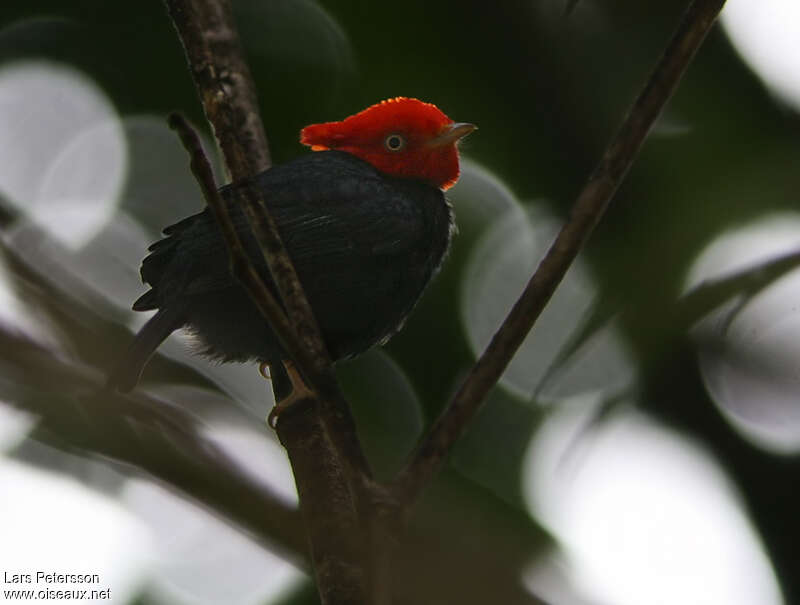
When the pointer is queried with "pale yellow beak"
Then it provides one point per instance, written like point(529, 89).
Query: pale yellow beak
point(452, 133)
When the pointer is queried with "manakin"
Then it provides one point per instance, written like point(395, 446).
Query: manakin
point(364, 220)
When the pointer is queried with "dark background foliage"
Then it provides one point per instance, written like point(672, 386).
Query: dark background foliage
point(547, 91)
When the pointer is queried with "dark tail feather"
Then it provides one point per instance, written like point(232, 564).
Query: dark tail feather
point(126, 372)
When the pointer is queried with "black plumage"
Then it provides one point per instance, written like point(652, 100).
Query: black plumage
point(364, 245)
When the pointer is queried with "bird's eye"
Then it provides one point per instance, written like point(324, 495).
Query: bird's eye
point(395, 142)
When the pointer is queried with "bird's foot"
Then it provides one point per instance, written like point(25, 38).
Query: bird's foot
point(263, 369)
point(299, 391)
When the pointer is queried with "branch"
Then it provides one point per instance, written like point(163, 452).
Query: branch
point(216, 59)
point(333, 491)
point(224, 83)
point(586, 213)
point(148, 433)
point(336, 535)
point(223, 80)
point(246, 273)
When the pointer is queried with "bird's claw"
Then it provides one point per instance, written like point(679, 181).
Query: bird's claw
point(299, 392)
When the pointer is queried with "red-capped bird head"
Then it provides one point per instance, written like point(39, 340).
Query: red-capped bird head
point(401, 137)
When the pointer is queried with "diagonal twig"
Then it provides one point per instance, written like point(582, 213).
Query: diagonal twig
point(149, 433)
point(226, 89)
point(589, 207)
point(245, 271)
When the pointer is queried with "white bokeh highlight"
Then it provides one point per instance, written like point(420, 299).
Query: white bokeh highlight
point(259, 456)
point(63, 155)
point(52, 523)
point(767, 36)
point(479, 197)
point(641, 515)
point(499, 267)
point(15, 424)
point(749, 349)
point(200, 559)
point(17, 316)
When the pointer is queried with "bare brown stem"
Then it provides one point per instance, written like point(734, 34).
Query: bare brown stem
point(337, 541)
point(329, 491)
point(586, 213)
point(246, 273)
point(224, 82)
point(226, 89)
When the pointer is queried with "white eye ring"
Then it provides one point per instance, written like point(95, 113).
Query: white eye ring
point(395, 142)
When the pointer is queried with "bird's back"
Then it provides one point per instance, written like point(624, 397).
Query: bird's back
point(364, 246)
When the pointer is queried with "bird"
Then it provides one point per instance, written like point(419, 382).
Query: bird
point(364, 220)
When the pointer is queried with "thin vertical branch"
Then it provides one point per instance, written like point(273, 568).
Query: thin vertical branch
point(586, 213)
point(224, 82)
point(242, 268)
point(226, 89)
point(330, 493)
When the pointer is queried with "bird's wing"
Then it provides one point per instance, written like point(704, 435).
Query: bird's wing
point(363, 226)
point(331, 239)
point(338, 218)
